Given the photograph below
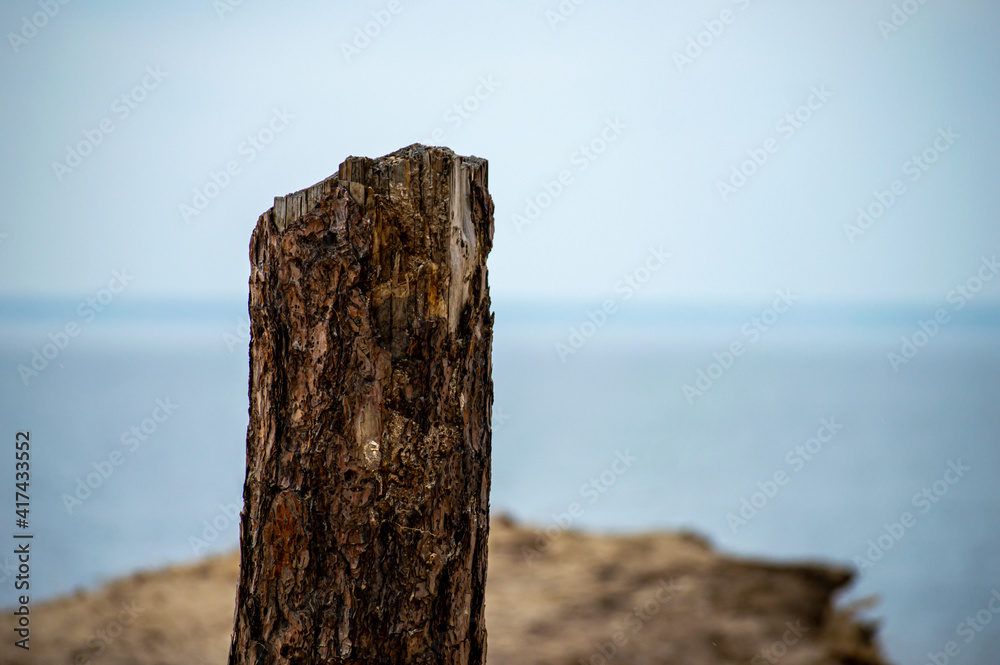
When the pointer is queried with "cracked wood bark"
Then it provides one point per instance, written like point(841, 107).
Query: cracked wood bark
point(366, 504)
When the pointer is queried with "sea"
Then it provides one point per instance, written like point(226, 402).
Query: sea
point(858, 436)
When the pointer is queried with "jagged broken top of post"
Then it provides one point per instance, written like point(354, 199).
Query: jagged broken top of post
point(358, 173)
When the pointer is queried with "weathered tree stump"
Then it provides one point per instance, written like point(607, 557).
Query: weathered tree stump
point(366, 503)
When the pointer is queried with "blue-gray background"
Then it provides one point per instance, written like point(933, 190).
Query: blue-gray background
point(532, 92)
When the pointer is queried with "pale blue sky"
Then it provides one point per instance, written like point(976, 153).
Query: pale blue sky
point(554, 88)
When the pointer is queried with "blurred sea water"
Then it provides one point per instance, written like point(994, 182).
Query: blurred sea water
point(807, 444)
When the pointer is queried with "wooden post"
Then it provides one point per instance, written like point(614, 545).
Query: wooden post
point(366, 503)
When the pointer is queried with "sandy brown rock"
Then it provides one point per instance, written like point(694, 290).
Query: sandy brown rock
point(667, 597)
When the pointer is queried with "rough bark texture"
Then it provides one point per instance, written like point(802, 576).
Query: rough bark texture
point(366, 504)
